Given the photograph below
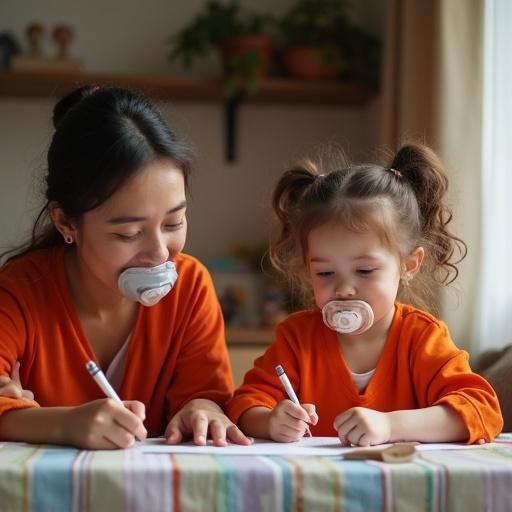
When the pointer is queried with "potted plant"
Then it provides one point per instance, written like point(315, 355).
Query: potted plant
point(240, 36)
point(320, 42)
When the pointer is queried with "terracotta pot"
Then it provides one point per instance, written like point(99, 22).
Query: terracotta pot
point(310, 63)
point(234, 47)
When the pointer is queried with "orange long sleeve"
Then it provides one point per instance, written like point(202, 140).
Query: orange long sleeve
point(419, 367)
point(177, 349)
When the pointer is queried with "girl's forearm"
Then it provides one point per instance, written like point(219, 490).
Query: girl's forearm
point(35, 425)
point(435, 424)
point(255, 422)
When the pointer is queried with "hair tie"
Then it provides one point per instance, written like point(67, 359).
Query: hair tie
point(319, 177)
point(397, 174)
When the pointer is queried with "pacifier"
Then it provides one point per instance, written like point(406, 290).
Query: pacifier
point(348, 316)
point(148, 285)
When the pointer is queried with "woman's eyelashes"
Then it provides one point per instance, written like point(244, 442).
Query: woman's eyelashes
point(133, 236)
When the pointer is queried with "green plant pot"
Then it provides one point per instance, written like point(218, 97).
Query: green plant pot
point(313, 63)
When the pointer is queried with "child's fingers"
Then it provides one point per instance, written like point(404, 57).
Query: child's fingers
point(311, 410)
point(342, 418)
point(296, 411)
point(138, 408)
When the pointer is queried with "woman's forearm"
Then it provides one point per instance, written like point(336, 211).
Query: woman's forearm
point(35, 425)
point(435, 424)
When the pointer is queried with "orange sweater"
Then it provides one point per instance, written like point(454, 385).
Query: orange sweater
point(419, 367)
point(177, 349)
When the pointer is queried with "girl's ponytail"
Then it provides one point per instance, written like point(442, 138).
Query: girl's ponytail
point(423, 171)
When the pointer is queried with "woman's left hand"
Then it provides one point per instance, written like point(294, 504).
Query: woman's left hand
point(12, 387)
point(201, 417)
point(363, 427)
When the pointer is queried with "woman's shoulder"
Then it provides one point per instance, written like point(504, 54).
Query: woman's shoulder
point(32, 267)
point(189, 267)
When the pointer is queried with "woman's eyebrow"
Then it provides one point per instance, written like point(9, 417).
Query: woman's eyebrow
point(126, 219)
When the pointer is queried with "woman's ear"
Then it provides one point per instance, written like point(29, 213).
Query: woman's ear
point(412, 263)
point(64, 225)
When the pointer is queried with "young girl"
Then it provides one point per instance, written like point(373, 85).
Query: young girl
point(104, 279)
point(364, 365)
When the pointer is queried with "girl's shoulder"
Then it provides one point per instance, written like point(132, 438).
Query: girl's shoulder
point(302, 322)
point(417, 318)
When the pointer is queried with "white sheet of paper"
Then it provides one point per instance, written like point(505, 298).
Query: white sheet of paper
point(322, 446)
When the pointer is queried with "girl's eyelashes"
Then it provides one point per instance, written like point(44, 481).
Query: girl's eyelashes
point(325, 274)
point(365, 271)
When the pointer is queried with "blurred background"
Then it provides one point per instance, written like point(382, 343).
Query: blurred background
point(363, 75)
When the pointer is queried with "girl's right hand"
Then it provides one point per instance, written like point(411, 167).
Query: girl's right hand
point(105, 424)
point(12, 388)
point(288, 421)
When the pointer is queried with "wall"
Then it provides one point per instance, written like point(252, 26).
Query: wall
point(229, 202)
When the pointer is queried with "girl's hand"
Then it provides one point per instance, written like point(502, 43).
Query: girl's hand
point(201, 417)
point(11, 387)
point(105, 424)
point(363, 427)
point(288, 421)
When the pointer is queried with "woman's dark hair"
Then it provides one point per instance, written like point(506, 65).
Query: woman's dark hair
point(103, 136)
point(403, 202)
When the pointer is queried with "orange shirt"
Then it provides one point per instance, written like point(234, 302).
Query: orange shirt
point(419, 367)
point(177, 349)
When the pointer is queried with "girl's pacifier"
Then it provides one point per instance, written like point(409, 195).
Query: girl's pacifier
point(148, 285)
point(348, 316)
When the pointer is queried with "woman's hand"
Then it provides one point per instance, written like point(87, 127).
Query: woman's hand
point(201, 417)
point(105, 424)
point(11, 387)
point(363, 427)
point(288, 421)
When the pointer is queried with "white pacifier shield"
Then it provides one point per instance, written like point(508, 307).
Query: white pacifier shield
point(148, 285)
point(348, 316)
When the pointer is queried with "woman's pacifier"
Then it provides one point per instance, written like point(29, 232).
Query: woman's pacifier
point(148, 285)
point(348, 316)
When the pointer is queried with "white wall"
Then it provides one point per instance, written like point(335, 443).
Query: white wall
point(230, 202)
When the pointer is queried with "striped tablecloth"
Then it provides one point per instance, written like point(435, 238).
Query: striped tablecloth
point(44, 478)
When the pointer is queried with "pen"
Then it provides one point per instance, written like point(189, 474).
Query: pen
point(285, 381)
point(102, 381)
point(96, 373)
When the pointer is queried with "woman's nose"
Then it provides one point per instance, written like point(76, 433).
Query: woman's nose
point(156, 251)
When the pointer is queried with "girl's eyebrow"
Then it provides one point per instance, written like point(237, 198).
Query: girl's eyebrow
point(126, 219)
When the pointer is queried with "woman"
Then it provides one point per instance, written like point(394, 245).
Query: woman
point(103, 279)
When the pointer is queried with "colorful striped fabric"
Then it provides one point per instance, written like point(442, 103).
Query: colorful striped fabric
point(44, 478)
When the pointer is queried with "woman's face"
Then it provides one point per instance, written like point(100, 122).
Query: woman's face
point(142, 225)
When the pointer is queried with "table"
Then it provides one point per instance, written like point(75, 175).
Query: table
point(41, 478)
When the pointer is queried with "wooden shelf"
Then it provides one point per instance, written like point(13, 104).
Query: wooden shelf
point(23, 84)
point(249, 336)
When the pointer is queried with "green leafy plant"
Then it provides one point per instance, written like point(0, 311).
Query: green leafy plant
point(325, 25)
point(217, 23)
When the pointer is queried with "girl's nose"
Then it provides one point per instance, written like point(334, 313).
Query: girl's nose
point(345, 290)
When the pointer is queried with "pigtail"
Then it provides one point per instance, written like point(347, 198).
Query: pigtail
point(423, 171)
point(285, 252)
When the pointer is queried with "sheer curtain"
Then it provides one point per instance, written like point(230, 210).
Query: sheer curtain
point(494, 312)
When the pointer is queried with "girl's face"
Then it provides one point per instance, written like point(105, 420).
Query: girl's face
point(142, 225)
point(346, 265)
